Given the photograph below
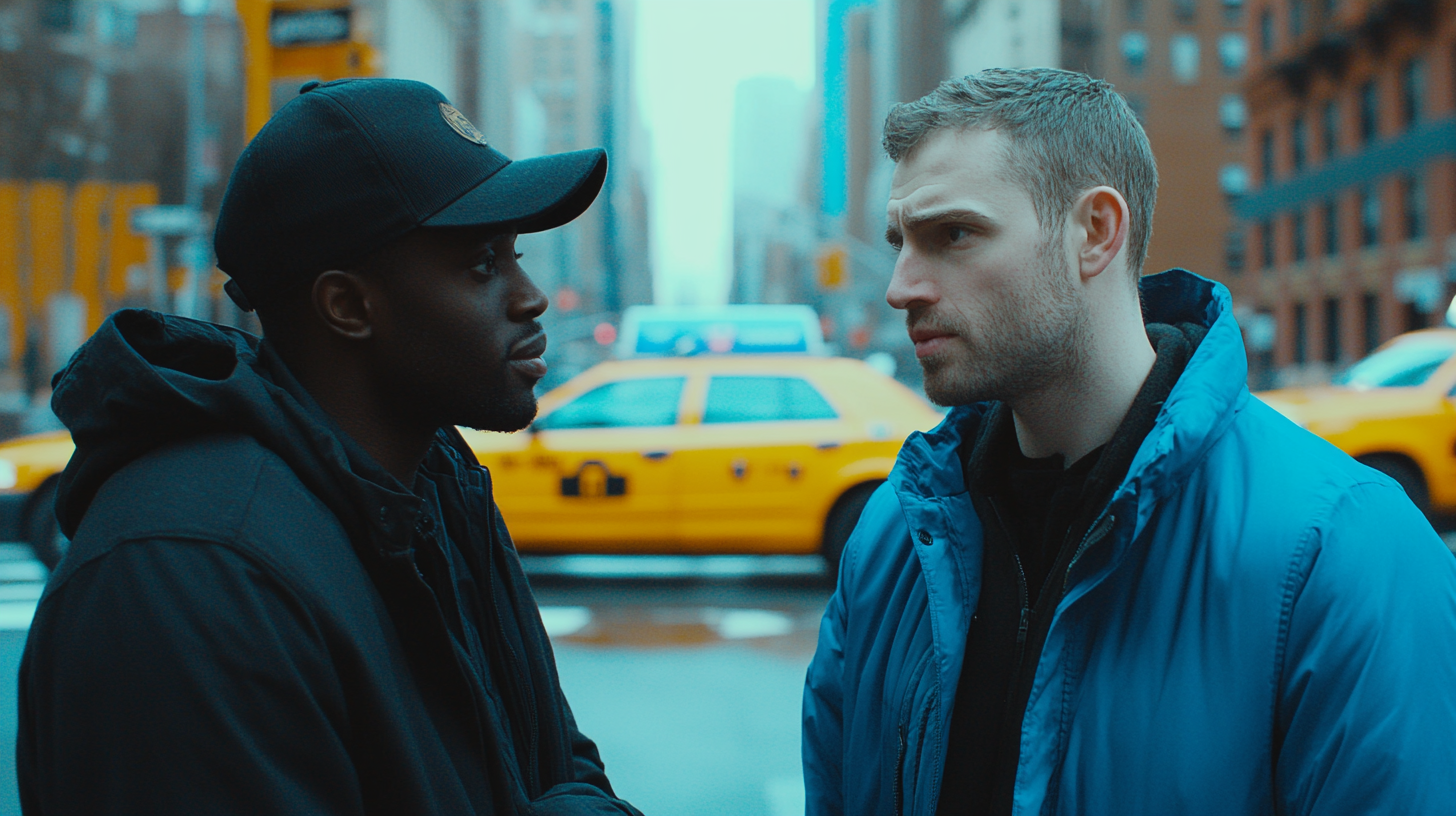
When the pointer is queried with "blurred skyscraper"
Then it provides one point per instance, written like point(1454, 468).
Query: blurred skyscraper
point(773, 234)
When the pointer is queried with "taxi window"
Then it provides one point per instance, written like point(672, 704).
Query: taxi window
point(763, 399)
point(622, 404)
point(1404, 364)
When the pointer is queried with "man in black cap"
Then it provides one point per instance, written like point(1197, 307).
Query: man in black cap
point(289, 589)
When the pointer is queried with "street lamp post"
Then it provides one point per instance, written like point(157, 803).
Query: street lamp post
point(194, 250)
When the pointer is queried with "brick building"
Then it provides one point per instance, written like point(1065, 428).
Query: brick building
point(1352, 125)
point(1180, 65)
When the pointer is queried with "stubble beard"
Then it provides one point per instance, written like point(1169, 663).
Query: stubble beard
point(1032, 342)
point(506, 408)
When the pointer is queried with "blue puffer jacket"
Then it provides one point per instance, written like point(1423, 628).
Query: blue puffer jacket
point(1264, 625)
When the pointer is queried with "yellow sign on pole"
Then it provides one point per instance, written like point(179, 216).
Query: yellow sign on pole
point(833, 267)
point(296, 40)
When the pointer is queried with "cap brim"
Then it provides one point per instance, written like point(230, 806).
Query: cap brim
point(530, 195)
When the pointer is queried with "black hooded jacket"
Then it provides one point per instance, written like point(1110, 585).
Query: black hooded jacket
point(244, 622)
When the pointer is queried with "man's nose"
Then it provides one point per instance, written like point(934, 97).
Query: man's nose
point(909, 286)
point(528, 302)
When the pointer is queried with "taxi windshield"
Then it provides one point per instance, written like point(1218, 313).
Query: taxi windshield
point(1405, 364)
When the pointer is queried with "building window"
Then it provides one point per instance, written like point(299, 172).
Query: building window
point(1233, 52)
point(1298, 139)
point(1233, 179)
point(1232, 10)
point(1232, 114)
point(1330, 128)
point(1266, 157)
point(1301, 353)
point(1233, 250)
point(1184, 10)
point(1413, 90)
point(1414, 190)
point(1332, 330)
point(1370, 304)
point(1369, 112)
point(1183, 54)
point(1266, 244)
point(1369, 218)
point(1297, 15)
point(1137, 10)
point(1266, 31)
point(1134, 46)
point(1332, 228)
point(1299, 236)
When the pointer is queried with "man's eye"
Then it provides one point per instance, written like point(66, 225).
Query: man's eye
point(955, 234)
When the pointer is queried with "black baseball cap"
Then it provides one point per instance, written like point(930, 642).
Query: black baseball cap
point(348, 166)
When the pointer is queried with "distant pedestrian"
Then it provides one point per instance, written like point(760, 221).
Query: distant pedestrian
point(289, 589)
point(1111, 581)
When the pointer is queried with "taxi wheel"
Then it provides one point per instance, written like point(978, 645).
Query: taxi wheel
point(39, 524)
point(1406, 474)
point(842, 518)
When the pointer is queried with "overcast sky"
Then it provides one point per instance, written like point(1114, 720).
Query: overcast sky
point(690, 55)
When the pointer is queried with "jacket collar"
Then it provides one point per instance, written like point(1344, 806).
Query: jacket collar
point(1201, 404)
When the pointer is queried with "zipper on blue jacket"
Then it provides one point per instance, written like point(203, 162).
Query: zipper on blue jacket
point(898, 787)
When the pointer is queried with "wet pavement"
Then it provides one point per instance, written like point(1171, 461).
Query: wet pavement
point(689, 675)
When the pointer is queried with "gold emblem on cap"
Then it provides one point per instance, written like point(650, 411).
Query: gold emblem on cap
point(458, 123)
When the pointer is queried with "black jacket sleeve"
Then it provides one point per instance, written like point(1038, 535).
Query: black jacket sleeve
point(178, 677)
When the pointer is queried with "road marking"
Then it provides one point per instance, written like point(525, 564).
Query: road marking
point(735, 624)
point(562, 621)
point(664, 566)
point(21, 592)
point(16, 615)
point(785, 795)
point(11, 571)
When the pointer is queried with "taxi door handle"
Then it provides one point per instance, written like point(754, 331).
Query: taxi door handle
point(655, 455)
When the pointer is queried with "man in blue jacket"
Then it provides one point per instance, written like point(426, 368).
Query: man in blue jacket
point(1111, 581)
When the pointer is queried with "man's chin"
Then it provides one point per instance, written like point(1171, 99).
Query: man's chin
point(947, 388)
point(506, 419)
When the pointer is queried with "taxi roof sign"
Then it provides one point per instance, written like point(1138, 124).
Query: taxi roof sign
point(664, 331)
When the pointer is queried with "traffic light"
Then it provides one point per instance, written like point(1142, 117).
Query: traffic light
point(291, 42)
point(833, 267)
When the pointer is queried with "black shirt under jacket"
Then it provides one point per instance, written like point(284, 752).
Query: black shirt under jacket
point(1035, 515)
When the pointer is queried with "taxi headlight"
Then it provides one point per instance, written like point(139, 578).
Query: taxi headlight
point(8, 476)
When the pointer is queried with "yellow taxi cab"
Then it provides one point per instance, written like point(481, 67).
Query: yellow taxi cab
point(1393, 411)
point(701, 454)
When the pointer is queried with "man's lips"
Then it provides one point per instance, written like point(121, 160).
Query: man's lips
point(525, 356)
point(929, 341)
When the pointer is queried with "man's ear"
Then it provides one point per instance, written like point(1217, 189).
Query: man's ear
point(1102, 218)
point(347, 303)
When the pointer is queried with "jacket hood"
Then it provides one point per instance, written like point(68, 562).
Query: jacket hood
point(1196, 411)
point(146, 380)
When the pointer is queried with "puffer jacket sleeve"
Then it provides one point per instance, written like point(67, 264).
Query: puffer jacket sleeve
point(1365, 708)
point(823, 739)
